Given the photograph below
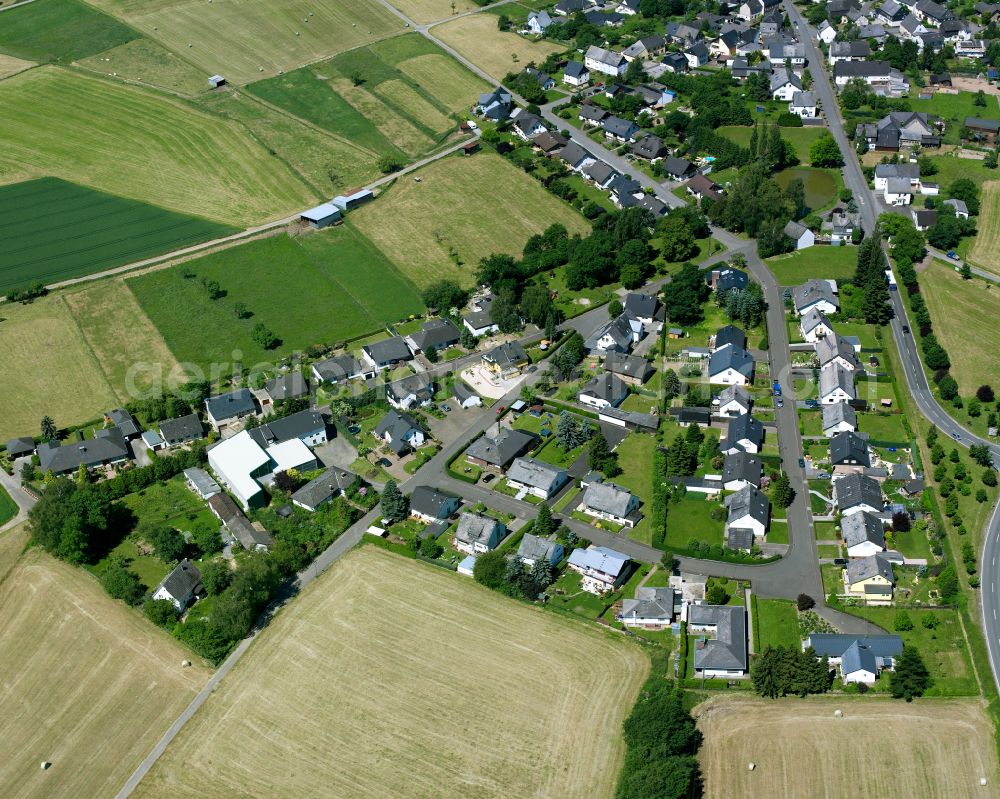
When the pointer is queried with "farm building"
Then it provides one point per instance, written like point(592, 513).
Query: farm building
point(216, 81)
point(321, 216)
point(353, 200)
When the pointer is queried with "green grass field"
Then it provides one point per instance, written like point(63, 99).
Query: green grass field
point(295, 290)
point(136, 144)
point(87, 231)
point(964, 314)
point(777, 623)
point(836, 263)
point(409, 95)
point(8, 508)
point(61, 31)
point(150, 63)
point(954, 108)
point(491, 207)
point(252, 39)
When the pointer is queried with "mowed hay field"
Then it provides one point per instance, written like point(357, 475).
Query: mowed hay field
point(985, 249)
point(392, 678)
point(477, 38)
point(136, 144)
point(85, 683)
point(47, 368)
point(295, 290)
point(149, 63)
point(927, 749)
point(964, 314)
point(472, 206)
point(86, 231)
point(60, 31)
point(411, 95)
point(11, 66)
point(433, 10)
point(240, 38)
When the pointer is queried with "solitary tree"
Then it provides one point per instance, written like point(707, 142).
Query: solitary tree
point(910, 677)
point(805, 602)
point(395, 506)
point(48, 429)
point(783, 494)
point(544, 523)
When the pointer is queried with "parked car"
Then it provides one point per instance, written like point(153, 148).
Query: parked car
point(840, 561)
point(802, 462)
point(780, 402)
point(488, 478)
point(811, 403)
point(501, 409)
point(953, 255)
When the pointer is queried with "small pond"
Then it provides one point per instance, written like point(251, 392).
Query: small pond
point(821, 188)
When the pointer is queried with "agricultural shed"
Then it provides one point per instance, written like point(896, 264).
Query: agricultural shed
point(321, 216)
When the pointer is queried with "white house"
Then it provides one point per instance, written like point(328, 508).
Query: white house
point(400, 432)
point(863, 534)
point(730, 365)
point(225, 410)
point(813, 325)
point(854, 493)
point(603, 391)
point(652, 609)
point(734, 401)
point(610, 502)
point(238, 462)
point(576, 74)
point(723, 653)
point(803, 105)
point(536, 477)
point(839, 417)
point(601, 569)
point(180, 586)
point(836, 384)
point(802, 236)
point(749, 509)
point(533, 549)
point(784, 84)
point(607, 62)
point(826, 33)
point(477, 534)
point(538, 22)
point(859, 658)
point(820, 295)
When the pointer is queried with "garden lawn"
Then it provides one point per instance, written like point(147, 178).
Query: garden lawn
point(964, 314)
point(635, 457)
point(296, 292)
point(690, 519)
point(149, 147)
point(887, 428)
point(777, 623)
point(954, 108)
point(491, 207)
point(820, 262)
point(60, 30)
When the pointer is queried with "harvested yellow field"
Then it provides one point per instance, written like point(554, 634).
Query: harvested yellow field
point(138, 144)
point(881, 747)
point(985, 250)
point(390, 678)
point(494, 51)
point(86, 684)
point(463, 209)
point(47, 368)
point(432, 10)
point(129, 349)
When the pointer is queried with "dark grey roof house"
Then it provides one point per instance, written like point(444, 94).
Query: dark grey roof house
point(382, 354)
point(333, 370)
point(308, 425)
point(499, 452)
point(604, 390)
point(726, 653)
point(857, 492)
point(630, 368)
point(181, 430)
point(227, 408)
point(431, 505)
point(108, 446)
point(181, 585)
point(19, 447)
point(289, 386)
point(849, 449)
point(744, 434)
point(730, 334)
point(124, 421)
point(322, 489)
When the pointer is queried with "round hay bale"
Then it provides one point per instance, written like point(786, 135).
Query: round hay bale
point(751, 766)
point(45, 765)
point(185, 664)
point(838, 714)
point(982, 781)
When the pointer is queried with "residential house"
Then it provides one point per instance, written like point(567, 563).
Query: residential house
point(603, 391)
point(826, 33)
point(804, 105)
point(983, 131)
point(548, 143)
point(625, 192)
point(749, 509)
point(536, 477)
point(153, 441)
point(629, 7)
point(772, 23)
point(526, 126)
point(906, 172)
point(729, 335)
point(801, 236)
point(912, 28)
point(480, 323)
point(431, 506)
point(201, 482)
point(630, 369)
point(181, 430)
point(784, 85)
point(646, 308)
point(870, 579)
point(20, 447)
point(900, 129)
point(477, 534)
point(415, 391)
point(849, 453)
point(687, 416)
point(858, 658)
point(400, 432)
point(386, 353)
point(863, 534)
point(675, 62)
point(506, 360)
point(592, 115)
point(928, 10)
point(741, 469)
point(838, 350)
point(839, 417)
point(607, 62)
point(697, 55)
point(618, 335)
point(682, 33)
point(337, 369)
point(332, 482)
point(649, 147)
point(891, 12)
point(961, 209)
point(782, 51)
point(814, 326)
point(611, 503)
point(730, 365)
point(645, 48)
point(533, 549)
point(652, 609)
point(879, 75)
point(600, 174)
point(465, 396)
point(723, 654)
point(496, 452)
point(898, 191)
point(225, 410)
point(601, 569)
point(701, 187)
point(858, 50)
point(576, 74)
point(619, 129)
point(124, 421)
point(749, 10)
point(180, 586)
point(677, 168)
point(854, 493)
point(726, 278)
point(743, 434)
point(437, 333)
point(567, 8)
point(307, 426)
point(495, 105)
point(108, 447)
point(970, 49)
point(733, 401)
point(836, 384)
point(609, 19)
point(538, 22)
point(252, 537)
point(818, 294)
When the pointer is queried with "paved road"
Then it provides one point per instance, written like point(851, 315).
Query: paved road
point(23, 500)
point(913, 370)
point(958, 265)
